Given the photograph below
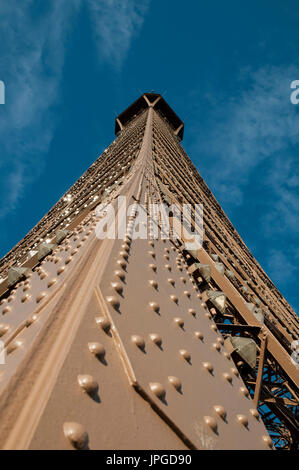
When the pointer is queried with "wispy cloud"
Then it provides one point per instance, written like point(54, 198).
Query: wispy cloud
point(32, 56)
point(116, 23)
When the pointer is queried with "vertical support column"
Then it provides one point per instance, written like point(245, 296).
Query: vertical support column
point(259, 377)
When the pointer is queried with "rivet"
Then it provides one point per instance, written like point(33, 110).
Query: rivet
point(198, 335)
point(156, 339)
point(179, 322)
point(211, 422)
point(267, 440)
point(117, 287)
point(187, 293)
point(254, 413)
point(192, 312)
point(227, 377)
point(124, 254)
point(121, 263)
point(76, 434)
point(185, 354)
point(220, 411)
point(26, 287)
point(242, 419)
point(113, 301)
point(153, 267)
point(11, 298)
point(174, 298)
point(214, 327)
point(157, 389)
point(168, 267)
point(31, 319)
point(151, 243)
point(220, 340)
point(4, 329)
point(96, 348)
point(40, 296)
point(15, 344)
point(103, 323)
point(88, 383)
point(235, 371)
point(175, 382)
point(120, 275)
point(216, 346)
point(74, 251)
point(138, 340)
point(6, 310)
point(171, 282)
point(208, 366)
point(153, 283)
point(183, 280)
point(166, 257)
point(25, 297)
point(208, 315)
point(60, 270)
point(126, 247)
point(154, 306)
point(68, 260)
point(244, 391)
point(52, 282)
point(152, 254)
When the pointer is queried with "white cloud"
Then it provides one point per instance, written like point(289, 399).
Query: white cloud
point(116, 23)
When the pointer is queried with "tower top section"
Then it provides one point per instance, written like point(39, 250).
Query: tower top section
point(148, 100)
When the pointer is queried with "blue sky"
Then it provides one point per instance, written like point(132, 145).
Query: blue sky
point(225, 67)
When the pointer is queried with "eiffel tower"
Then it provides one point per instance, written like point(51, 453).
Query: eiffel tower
point(127, 343)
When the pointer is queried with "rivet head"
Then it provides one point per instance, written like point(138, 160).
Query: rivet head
point(25, 297)
point(214, 327)
point(6, 310)
point(121, 263)
point(254, 413)
point(185, 354)
point(52, 282)
point(138, 340)
point(220, 411)
point(235, 371)
point(220, 340)
point(210, 422)
point(175, 382)
point(103, 323)
point(156, 339)
point(153, 283)
point(157, 389)
point(267, 440)
point(154, 306)
point(153, 267)
point(60, 270)
point(192, 312)
point(113, 301)
point(41, 296)
point(198, 335)
point(4, 329)
point(244, 391)
point(174, 298)
point(216, 346)
point(76, 434)
point(117, 286)
point(87, 383)
point(124, 254)
point(152, 254)
point(68, 260)
point(183, 280)
point(242, 419)
point(179, 322)
point(26, 287)
point(168, 267)
point(208, 315)
point(31, 319)
point(187, 293)
point(208, 366)
point(227, 377)
point(15, 344)
point(120, 275)
point(171, 282)
point(97, 349)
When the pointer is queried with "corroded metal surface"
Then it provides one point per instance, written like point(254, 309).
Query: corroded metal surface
point(132, 334)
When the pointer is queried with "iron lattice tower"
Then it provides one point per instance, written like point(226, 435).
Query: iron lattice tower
point(142, 343)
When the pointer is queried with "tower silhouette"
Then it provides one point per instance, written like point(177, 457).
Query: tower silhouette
point(118, 342)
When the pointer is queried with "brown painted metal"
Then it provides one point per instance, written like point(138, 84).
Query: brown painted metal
point(114, 343)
